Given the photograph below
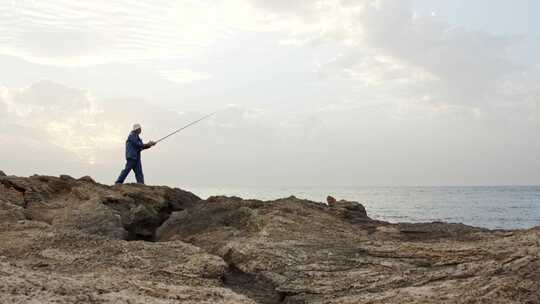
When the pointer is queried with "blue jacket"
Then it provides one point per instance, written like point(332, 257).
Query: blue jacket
point(134, 146)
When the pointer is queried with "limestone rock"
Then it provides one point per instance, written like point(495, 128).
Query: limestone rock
point(67, 240)
point(297, 251)
point(39, 263)
point(87, 179)
point(129, 212)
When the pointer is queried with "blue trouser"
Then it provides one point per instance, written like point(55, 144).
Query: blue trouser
point(136, 166)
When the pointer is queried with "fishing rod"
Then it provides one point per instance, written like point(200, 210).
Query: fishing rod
point(188, 125)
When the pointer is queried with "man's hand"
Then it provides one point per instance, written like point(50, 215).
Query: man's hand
point(149, 144)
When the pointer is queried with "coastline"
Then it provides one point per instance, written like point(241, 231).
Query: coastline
point(492, 207)
point(73, 240)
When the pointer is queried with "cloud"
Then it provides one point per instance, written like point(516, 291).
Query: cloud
point(184, 76)
point(73, 131)
point(69, 33)
point(396, 92)
point(382, 46)
point(89, 131)
point(72, 33)
point(345, 143)
point(56, 114)
point(466, 65)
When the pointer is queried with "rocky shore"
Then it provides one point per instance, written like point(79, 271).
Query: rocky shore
point(66, 240)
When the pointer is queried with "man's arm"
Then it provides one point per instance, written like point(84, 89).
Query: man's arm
point(148, 145)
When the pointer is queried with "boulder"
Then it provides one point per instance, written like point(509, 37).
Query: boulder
point(129, 212)
point(87, 179)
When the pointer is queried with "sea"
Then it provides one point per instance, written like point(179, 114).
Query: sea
point(493, 207)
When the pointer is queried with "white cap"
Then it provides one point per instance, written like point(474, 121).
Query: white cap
point(136, 127)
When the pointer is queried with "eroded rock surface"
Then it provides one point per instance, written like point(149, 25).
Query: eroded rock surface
point(126, 212)
point(67, 240)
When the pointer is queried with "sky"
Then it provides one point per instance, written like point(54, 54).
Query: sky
point(308, 93)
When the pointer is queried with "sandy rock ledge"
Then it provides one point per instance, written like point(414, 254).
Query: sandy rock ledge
point(67, 240)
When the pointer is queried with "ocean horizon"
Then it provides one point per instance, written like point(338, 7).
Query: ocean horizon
point(492, 207)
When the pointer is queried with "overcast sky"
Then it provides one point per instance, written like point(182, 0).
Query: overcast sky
point(332, 92)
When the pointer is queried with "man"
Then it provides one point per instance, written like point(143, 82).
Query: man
point(134, 146)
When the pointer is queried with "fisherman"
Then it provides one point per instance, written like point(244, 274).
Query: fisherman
point(134, 146)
